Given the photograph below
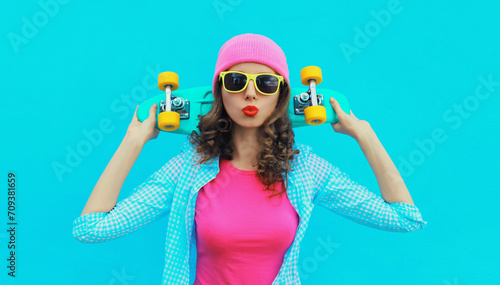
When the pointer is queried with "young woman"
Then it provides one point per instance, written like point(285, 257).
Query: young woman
point(241, 191)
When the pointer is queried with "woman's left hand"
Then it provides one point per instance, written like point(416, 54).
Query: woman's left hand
point(348, 124)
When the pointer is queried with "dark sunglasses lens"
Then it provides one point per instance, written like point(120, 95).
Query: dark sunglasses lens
point(267, 83)
point(235, 81)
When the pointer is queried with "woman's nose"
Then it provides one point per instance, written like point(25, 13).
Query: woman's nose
point(250, 91)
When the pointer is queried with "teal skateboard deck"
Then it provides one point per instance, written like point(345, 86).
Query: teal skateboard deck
point(190, 103)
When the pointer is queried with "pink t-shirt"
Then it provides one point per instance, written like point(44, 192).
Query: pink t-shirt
point(241, 236)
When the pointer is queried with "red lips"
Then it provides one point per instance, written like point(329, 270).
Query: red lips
point(250, 110)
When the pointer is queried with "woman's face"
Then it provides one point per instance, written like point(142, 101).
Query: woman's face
point(235, 102)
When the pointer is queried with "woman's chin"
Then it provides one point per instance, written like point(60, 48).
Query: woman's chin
point(248, 125)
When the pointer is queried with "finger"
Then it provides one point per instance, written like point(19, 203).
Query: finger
point(151, 120)
point(336, 127)
point(135, 119)
point(338, 110)
point(336, 105)
point(152, 111)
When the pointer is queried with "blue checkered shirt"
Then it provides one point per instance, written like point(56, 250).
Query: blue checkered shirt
point(172, 192)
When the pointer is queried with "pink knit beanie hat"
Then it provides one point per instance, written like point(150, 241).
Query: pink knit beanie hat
point(251, 48)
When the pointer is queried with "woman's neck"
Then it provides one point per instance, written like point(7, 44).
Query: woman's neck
point(245, 146)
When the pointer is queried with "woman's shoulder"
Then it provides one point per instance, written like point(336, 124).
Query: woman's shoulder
point(308, 156)
point(180, 157)
point(189, 154)
point(304, 148)
point(302, 157)
point(187, 147)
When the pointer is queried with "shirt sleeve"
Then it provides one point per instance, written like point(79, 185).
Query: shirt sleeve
point(149, 201)
point(336, 192)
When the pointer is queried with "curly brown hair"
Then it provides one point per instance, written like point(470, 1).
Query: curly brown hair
point(275, 135)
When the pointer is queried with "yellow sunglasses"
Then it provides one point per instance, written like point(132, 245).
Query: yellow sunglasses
point(237, 81)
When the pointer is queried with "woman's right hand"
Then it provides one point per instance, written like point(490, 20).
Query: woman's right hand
point(146, 130)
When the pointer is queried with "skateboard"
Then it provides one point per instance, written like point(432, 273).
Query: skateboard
point(178, 113)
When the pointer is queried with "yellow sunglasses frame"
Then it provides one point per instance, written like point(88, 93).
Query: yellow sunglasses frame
point(251, 77)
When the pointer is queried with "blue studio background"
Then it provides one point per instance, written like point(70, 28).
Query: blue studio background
point(424, 74)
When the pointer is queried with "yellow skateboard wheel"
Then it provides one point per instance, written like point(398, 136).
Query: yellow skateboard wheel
point(168, 78)
point(311, 72)
point(169, 121)
point(315, 115)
